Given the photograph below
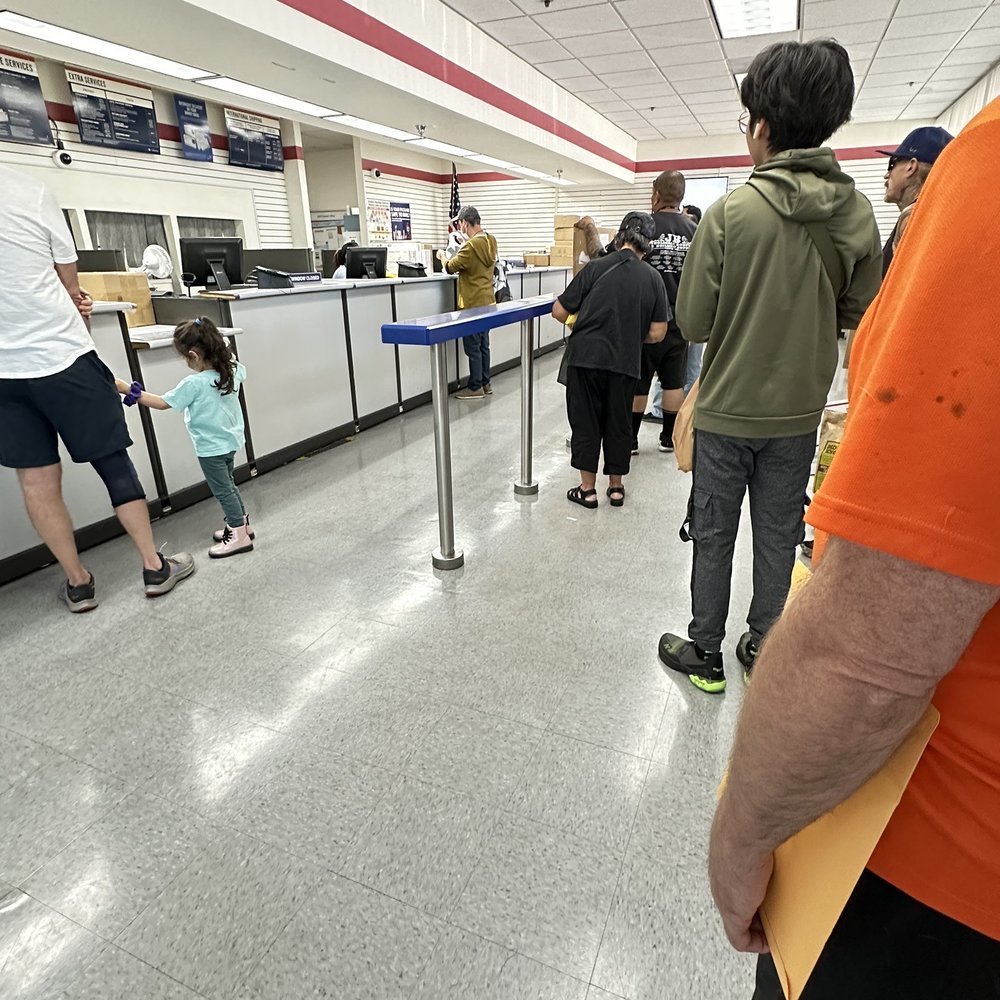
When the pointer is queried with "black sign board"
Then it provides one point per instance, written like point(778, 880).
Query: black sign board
point(254, 141)
point(23, 117)
point(113, 113)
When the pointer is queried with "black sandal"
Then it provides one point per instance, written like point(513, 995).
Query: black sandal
point(620, 502)
point(585, 498)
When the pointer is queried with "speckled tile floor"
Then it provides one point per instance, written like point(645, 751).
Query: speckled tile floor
point(325, 770)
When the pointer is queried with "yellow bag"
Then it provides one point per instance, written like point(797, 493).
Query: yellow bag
point(684, 430)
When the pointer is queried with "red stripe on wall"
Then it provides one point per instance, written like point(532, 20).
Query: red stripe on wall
point(293, 152)
point(343, 17)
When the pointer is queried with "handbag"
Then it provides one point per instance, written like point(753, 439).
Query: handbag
point(684, 430)
point(561, 378)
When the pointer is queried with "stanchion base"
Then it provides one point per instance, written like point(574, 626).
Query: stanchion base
point(522, 490)
point(448, 562)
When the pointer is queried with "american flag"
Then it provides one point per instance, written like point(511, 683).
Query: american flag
point(455, 206)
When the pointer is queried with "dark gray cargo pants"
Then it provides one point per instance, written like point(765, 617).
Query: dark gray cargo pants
point(776, 471)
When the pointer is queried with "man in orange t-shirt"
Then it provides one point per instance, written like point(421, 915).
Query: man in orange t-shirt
point(902, 610)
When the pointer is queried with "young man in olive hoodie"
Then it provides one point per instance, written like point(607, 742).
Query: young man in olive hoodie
point(776, 268)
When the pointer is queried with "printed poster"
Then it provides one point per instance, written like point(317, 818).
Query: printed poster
point(379, 221)
point(23, 117)
point(399, 217)
point(254, 141)
point(113, 113)
point(192, 122)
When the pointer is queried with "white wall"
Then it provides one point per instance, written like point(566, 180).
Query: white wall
point(332, 176)
point(165, 185)
point(971, 102)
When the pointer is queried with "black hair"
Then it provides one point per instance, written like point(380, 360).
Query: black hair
point(637, 230)
point(203, 336)
point(803, 90)
point(694, 211)
point(341, 259)
point(469, 215)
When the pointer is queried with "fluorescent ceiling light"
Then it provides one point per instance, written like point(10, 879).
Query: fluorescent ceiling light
point(493, 162)
point(268, 97)
point(528, 172)
point(363, 125)
point(441, 147)
point(96, 46)
point(739, 18)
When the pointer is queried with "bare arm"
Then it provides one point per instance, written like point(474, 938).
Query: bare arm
point(71, 282)
point(657, 331)
point(559, 313)
point(149, 399)
point(828, 707)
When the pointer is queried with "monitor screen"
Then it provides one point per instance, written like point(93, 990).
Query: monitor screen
point(292, 261)
point(213, 261)
point(101, 260)
point(366, 262)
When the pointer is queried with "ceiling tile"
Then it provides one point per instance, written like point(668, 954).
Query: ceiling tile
point(643, 13)
point(580, 83)
point(598, 94)
point(968, 72)
point(707, 84)
point(889, 94)
point(824, 13)
point(678, 33)
point(623, 61)
point(568, 23)
point(847, 34)
point(695, 71)
point(706, 54)
point(630, 78)
point(483, 10)
point(537, 6)
point(918, 45)
point(604, 106)
point(740, 48)
point(889, 64)
point(991, 17)
point(973, 55)
point(943, 21)
point(729, 94)
point(536, 52)
point(563, 69)
point(515, 31)
point(983, 36)
point(899, 76)
point(928, 8)
point(602, 45)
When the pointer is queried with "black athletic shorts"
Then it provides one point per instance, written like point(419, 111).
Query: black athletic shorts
point(667, 360)
point(79, 404)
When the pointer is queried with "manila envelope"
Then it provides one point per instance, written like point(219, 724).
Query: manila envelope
point(816, 871)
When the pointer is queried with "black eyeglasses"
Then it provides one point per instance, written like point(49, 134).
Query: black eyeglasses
point(894, 161)
point(744, 122)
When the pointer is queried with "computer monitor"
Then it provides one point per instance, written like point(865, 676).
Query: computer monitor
point(329, 262)
point(366, 262)
point(101, 260)
point(212, 261)
point(292, 261)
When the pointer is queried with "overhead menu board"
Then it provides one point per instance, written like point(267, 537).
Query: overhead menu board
point(113, 113)
point(23, 117)
point(254, 141)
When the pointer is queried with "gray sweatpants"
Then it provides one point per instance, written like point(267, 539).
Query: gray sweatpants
point(776, 471)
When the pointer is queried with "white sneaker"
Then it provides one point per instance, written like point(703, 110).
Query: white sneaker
point(234, 541)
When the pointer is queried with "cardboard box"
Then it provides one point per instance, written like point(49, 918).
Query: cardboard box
point(561, 258)
point(122, 286)
point(536, 259)
point(564, 234)
point(566, 221)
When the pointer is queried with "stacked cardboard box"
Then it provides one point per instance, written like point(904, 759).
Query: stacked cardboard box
point(536, 259)
point(122, 286)
point(562, 251)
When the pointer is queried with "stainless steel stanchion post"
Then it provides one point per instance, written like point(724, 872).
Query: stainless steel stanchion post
point(447, 556)
point(526, 486)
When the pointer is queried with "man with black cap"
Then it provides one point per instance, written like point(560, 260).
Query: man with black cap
point(909, 166)
point(604, 354)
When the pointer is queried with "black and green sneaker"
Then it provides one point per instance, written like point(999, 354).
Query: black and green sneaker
point(703, 670)
point(746, 652)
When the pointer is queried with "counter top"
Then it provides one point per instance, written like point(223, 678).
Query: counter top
point(152, 338)
point(327, 285)
point(536, 270)
point(103, 308)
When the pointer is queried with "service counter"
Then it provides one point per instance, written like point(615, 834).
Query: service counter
point(317, 372)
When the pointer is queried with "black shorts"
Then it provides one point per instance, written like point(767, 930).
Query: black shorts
point(667, 360)
point(79, 404)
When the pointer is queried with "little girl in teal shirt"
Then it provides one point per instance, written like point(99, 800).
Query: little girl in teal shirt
point(211, 404)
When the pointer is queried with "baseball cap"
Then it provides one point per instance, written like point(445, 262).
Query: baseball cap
point(924, 144)
point(638, 222)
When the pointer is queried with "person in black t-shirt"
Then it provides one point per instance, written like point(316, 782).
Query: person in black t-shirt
point(620, 304)
point(668, 359)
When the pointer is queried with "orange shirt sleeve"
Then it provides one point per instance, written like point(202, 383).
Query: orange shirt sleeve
point(918, 473)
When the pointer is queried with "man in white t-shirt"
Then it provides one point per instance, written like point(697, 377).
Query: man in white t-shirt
point(53, 385)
